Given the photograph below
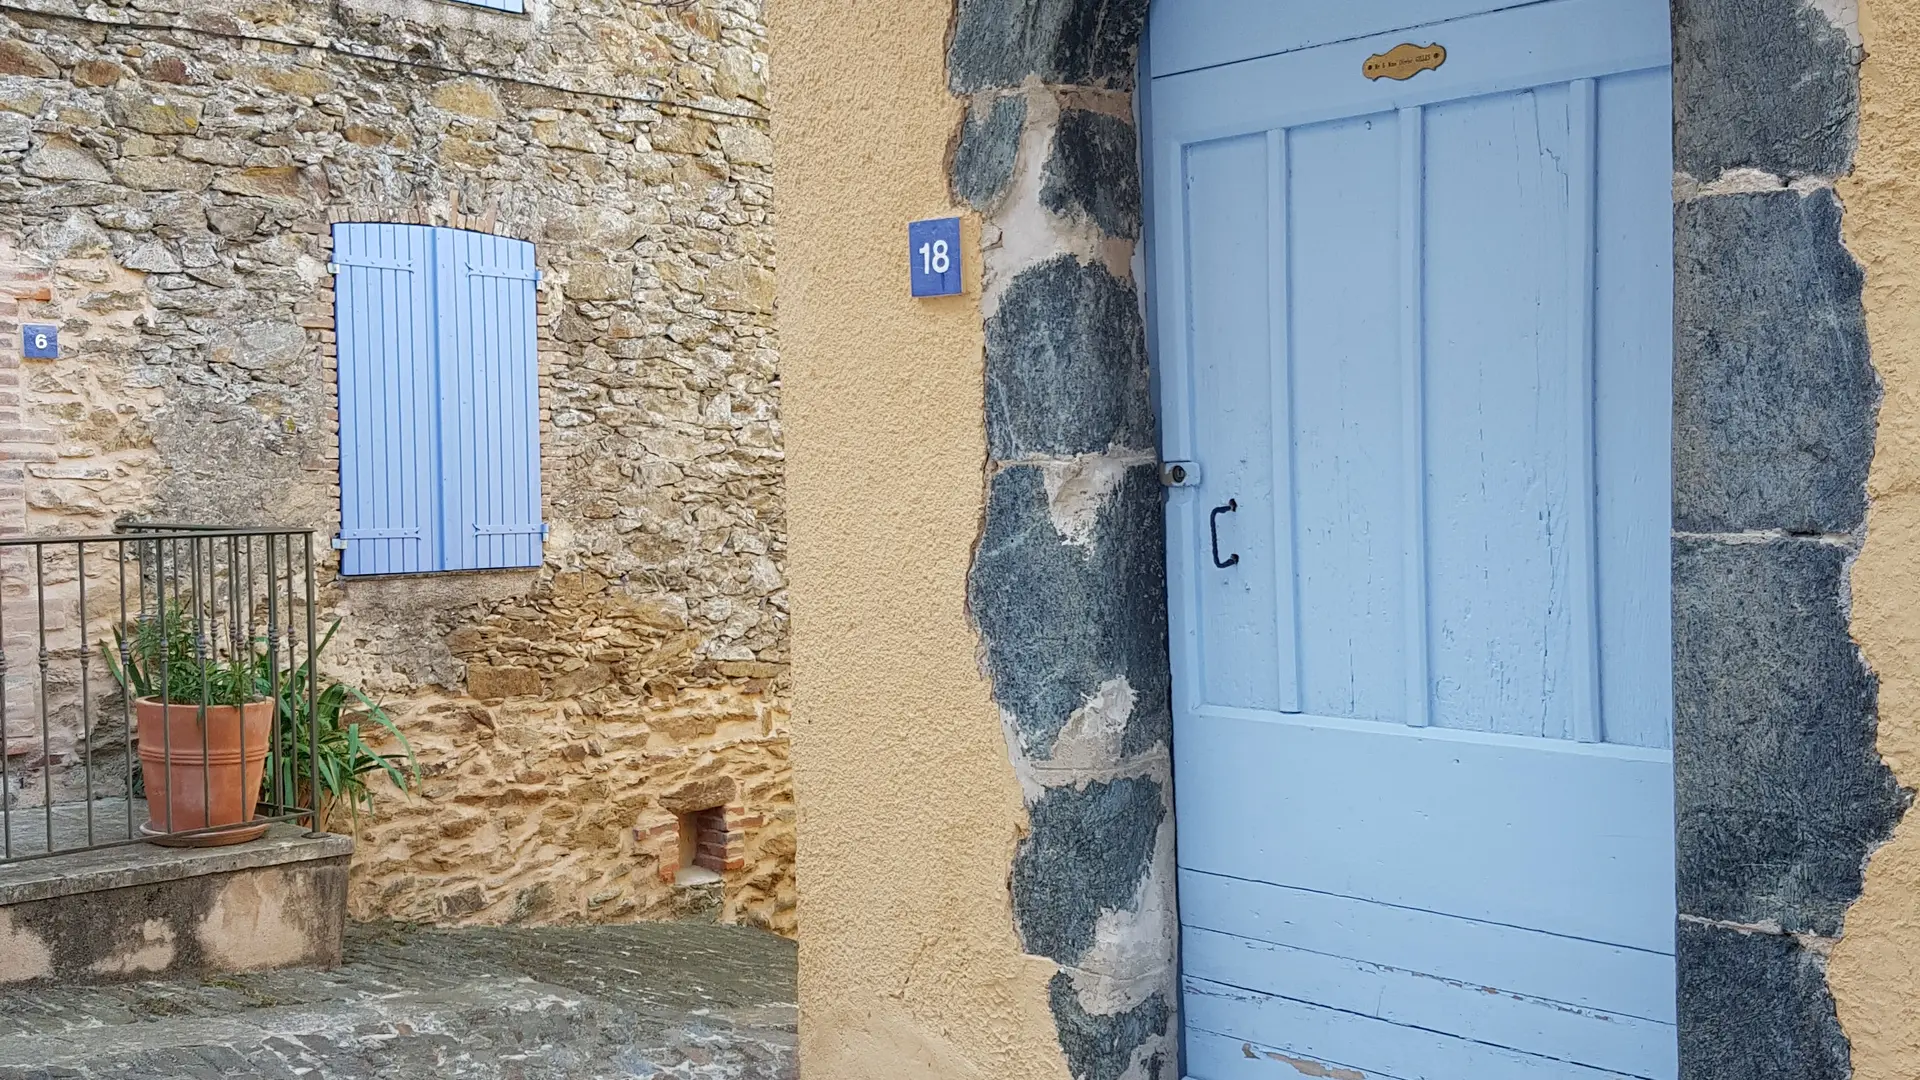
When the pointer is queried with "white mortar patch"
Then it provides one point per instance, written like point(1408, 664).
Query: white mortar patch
point(1132, 947)
point(155, 952)
point(23, 955)
point(1024, 232)
point(1843, 14)
point(1077, 489)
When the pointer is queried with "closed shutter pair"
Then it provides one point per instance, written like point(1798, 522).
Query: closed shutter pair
point(439, 400)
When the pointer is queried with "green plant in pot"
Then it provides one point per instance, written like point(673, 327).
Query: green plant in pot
point(213, 730)
point(344, 761)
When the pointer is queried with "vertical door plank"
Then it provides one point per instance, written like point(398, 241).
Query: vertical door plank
point(1286, 603)
point(1583, 631)
point(1633, 407)
point(1413, 408)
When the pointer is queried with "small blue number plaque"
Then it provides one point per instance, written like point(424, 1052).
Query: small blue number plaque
point(38, 342)
point(934, 249)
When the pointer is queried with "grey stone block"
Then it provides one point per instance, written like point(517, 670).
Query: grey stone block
point(1780, 790)
point(1094, 169)
point(1067, 365)
point(1755, 1007)
point(1059, 619)
point(1087, 853)
point(1774, 393)
point(1101, 1046)
point(998, 43)
point(1765, 84)
point(989, 143)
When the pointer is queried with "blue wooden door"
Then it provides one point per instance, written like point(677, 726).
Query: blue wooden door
point(1415, 336)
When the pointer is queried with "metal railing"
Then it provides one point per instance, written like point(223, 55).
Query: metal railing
point(100, 635)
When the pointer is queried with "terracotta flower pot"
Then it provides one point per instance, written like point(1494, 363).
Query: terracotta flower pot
point(203, 776)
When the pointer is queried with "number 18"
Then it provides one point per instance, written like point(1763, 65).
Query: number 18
point(934, 258)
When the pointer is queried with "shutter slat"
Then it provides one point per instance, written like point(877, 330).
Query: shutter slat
point(381, 306)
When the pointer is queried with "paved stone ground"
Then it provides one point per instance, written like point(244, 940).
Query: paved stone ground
point(660, 1001)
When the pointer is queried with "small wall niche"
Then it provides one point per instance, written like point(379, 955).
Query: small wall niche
point(703, 846)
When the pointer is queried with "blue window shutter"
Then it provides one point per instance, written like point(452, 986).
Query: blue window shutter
point(383, 319)
point(489, 402)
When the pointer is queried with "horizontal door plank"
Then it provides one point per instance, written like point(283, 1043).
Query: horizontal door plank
point(1366, 1046)
point(1483, 1013)
point(1582, 974)
point(1567, 838)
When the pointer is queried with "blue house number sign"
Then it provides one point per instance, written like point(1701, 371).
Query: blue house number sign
point(40, 342)
point(934, 247)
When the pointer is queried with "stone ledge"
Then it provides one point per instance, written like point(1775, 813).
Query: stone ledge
point(84, 872)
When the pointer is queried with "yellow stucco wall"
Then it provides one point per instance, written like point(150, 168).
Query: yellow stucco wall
point(909, 967)
point(1875, 969)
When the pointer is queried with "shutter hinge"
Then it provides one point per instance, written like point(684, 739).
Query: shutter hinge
point(333, 268)
point(339, 542)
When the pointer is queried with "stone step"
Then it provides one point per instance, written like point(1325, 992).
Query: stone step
point(138, 911)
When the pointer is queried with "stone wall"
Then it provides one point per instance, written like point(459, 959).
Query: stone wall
point(1780, 792)
point(168, 174)
point(1069, 586)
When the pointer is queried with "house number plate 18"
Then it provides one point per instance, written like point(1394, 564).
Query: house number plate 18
point(934, 253)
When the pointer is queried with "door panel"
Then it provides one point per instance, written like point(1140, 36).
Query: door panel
point(1417, 338)
point(1344, 327)
point(1233, 387)
point(1500, 493)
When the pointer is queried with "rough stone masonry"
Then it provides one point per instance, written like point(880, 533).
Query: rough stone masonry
point(169, 171)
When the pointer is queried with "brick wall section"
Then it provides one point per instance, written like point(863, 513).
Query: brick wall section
point(24, 292)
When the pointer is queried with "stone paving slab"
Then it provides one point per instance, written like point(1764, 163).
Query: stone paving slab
point(656, 1001)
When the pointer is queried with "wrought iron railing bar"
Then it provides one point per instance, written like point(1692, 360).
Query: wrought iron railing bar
point(317, 827)
point(126, 689)
point(104, 538)
point(200, 653)
point(86, 689)
point(249, 801)
point(293, 650)
point(278, 759)
point(46, 737)
point(166, 713)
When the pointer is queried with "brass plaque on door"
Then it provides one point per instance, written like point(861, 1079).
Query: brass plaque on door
point(1404, 61)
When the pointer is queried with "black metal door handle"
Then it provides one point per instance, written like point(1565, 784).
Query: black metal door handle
point(1213, 526)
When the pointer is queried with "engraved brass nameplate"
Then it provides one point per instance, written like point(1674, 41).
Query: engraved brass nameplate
point(1404, 61)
